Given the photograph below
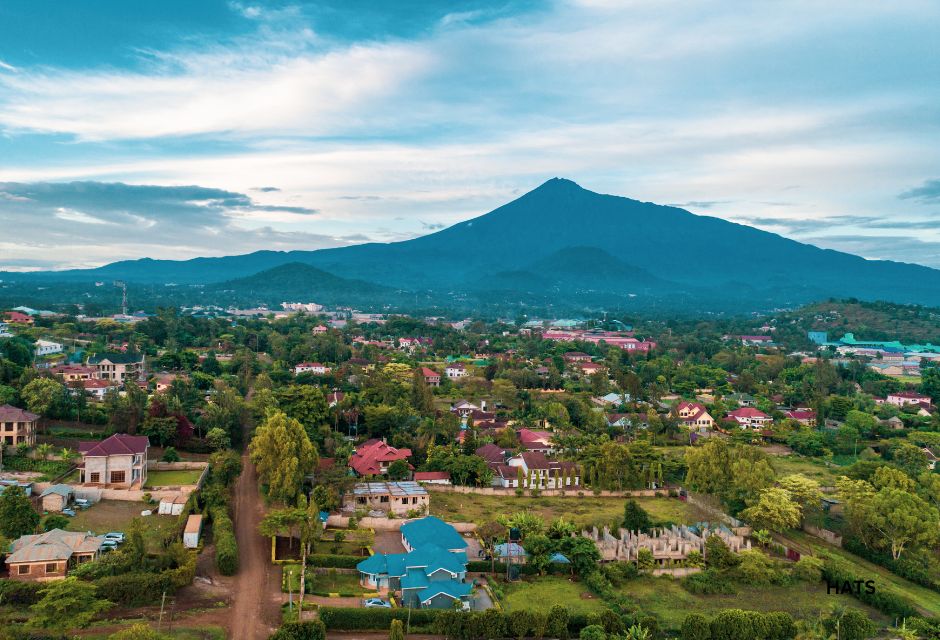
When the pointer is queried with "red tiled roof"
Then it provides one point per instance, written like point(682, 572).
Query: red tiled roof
point(747, 412)
point(367, 459)
point(118, 444)
point(491, 453)
point(431, 475)
point(429, 373)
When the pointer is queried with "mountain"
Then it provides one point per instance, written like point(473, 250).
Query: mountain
point(561, 242)
point(294, 281)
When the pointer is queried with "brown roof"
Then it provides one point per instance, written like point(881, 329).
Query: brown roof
point(53, 545)
point(431, 475)
point(116, 445)
point(9, 413)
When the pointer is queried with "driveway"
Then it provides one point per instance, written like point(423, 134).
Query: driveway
point(388, 542)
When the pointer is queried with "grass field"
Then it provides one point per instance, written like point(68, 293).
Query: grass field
point(583, 511)
point(667, 600)
point(116, 515)
point(921, 597)
point(174, 478)
point(321, 582)
point(815, 469)
point(540, 594)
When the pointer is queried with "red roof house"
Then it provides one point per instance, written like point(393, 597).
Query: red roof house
point(433, 477)
point(431, 377)
point(374, 456)
point(750, 417)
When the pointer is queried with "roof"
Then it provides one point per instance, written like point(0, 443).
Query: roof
point(491, 453)
point(63, 490)
point(432, 530)
point(429, 373)
point(529, 437)
point(193, 523)
point(747, 412)
point(431, 475)
point(404, 488)
point(9, 413)
point(801, 414)
point(115, 357)
point(367, 459)
point(510, 550)
point(53, 545)
point(116, 445)
point(450, 588)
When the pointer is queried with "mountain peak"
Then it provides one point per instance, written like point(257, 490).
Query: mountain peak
point(559, 184)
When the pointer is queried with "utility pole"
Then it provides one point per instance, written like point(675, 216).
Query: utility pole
point(162, 603)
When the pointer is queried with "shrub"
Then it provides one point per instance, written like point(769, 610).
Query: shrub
point(345, 619)
point(756, 568)
point(852, 625)
point(888, 602)
point(709, 582)
point(695, 627)
point(19, 592)
point(310, 630)
point(808, 569)
point(331, 560)
point(170, 455)
point(133, 589)
point(226, 547)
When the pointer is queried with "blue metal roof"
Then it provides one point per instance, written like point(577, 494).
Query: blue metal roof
point(432, 531)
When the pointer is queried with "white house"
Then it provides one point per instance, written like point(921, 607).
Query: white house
point(5, 331)
point(456, 370)
point(312, 367)
point(47, 347)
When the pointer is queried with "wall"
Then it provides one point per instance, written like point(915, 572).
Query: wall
point(384, 524)
point(831, 537)
point(156, 465)
point(678, 572)
point(570, 493)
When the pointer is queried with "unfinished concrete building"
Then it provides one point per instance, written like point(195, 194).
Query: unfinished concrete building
point(672, 544)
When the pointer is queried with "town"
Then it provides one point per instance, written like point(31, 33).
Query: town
point(311, 472)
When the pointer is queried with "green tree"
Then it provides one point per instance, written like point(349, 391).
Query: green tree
point(635, 518)
point(66, 604)
point(54, 521)
point(850, 624)
point(421, 397)
point(396, 631)
point(17, 517)
point(520, 623)
point(283, 454)
point(695, 627)
point(718, 555)
point(160, 430)
point(904, 520)
point(593, 632)
point(556, 625)
point(644, 560)
point(42, 394)
point(540, 548)
point(582, 553)
point(139, 631)
point(218, 439)
point(774, 510)
point(399, 470)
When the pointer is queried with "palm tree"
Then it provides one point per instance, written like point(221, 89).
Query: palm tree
point(636, 632)
point(44, 450)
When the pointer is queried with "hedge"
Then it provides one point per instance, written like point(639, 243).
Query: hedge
point(907, 568)
point(888, 602)
point(20, 592)
point(226, 547)
point(312, 630)
point(333, 561)
point(486, 566)
point(134, 589)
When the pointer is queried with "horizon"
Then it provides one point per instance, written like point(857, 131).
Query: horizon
point(233, 127)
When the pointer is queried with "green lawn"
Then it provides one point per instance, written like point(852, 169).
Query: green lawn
point(116, 515)
point(584, 511)
point(667, 600)
point(540, 594)
point(810, 467)
point(175, 478)
point(321, 582)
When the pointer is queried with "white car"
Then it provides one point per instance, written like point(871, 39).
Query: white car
point(371, 603)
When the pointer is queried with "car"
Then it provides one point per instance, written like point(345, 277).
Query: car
point(371, 603)
point(108, 545)
point(68, 512)
point(116, 536)
point(82, 503)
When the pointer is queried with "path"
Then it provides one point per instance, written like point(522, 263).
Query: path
point(256, 610)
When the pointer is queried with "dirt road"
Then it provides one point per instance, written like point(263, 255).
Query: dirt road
point(255, 612)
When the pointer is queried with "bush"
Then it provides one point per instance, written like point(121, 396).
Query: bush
point(808, 569)
point(311, 630)
point(852, 625)
point(335, 561)
point(170, 455)
point(345, 619)
point(695, 627)
point(888, 602)
point(915, 567)
point(134, 589)
point(709, 582)
point(757, 569)
point(226, 547)
point(20, 592)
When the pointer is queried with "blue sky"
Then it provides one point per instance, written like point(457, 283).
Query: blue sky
point(177, 129)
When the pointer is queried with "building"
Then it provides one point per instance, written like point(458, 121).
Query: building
point(750, 418)
point(901, 398)
point(312, 367)
point(5, 330)
point(50, 556)
point(118, 366)
point(47, 348)
point(97, 388)
point(693, 415)
point(73, 372)
point(431, 377)
point(538, 441)
point(432, 574)
point(456, 370)
point(17, 426)
point(117, 461)
point(56, 497)
point(541, 473)
point(590, 368)
point(577, 356)
point(397, 498)
point(192, 531)
point(18, 317)
point(432, 477)
point(806, 417)
point(373, 457)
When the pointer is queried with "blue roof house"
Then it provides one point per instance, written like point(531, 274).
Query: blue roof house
point(433, 572)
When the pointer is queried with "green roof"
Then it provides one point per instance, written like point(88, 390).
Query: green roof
point(116, 357)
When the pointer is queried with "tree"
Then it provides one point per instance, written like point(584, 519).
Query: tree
point(139, 631)
point(635, 518)
point(399, 470)
point(283, 454)
point(904, 520)
point(644, 560)
point(54, 521)
point(218, 439)
point(593, 632)
point(718, 555)
point(41, 395)
point(850, 624)
point(520, 623)
point(67, 604)
point(305, 403)
point(421, 397)
point(161, 430)
point(526, 522)
point(540, 548)
point(695, 627)
point(582, 553)
point(396, 631)
point(775, 510)
point(804, 491)
point(17, 517)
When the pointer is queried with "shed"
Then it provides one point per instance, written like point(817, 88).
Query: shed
point(192, 531)
point(172, 506)
point(57, 497)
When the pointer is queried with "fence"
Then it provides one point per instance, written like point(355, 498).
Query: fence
point(385, 524)
point(574, 492)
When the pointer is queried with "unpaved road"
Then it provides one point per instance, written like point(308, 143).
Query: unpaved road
point(255, 612)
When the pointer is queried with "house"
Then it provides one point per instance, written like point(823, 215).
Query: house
point(311, 367)
point(431, 377)
point(901, 398)
point(576, 356)
point(165, 380)
point(50, 556)
point(895, 423)
point(17, 425)
point(492, 454)
point(396, 498)
point(750, 418)
point(73, 372)
point(456, 370)
point(56, 497)
point(114, 365)
point(17, 317)
point(806, 417)
point(432, 477)
point(432, 574)
point(373, 457)
point(97, 388)
point(464, 408)
point(5, 330)
point(47, 348)
point(334, 398)
point(620, 420)
point(542, 473)
point(319, 329)
point(590, 368)
point(117, 461)
point(742, 399)
point(538, 441)
point(611, 399)
point(693, 415)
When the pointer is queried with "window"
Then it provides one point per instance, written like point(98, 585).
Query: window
point(361, 500)
point(117, 477)
point(94, 477)
point(383, 499)
point(23, 569)
point(52, 567)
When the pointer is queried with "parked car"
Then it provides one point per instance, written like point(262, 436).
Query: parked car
point(116, 536)
point(68, 512)
point(108, 545)
point(82, 503)
point(370, 603)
